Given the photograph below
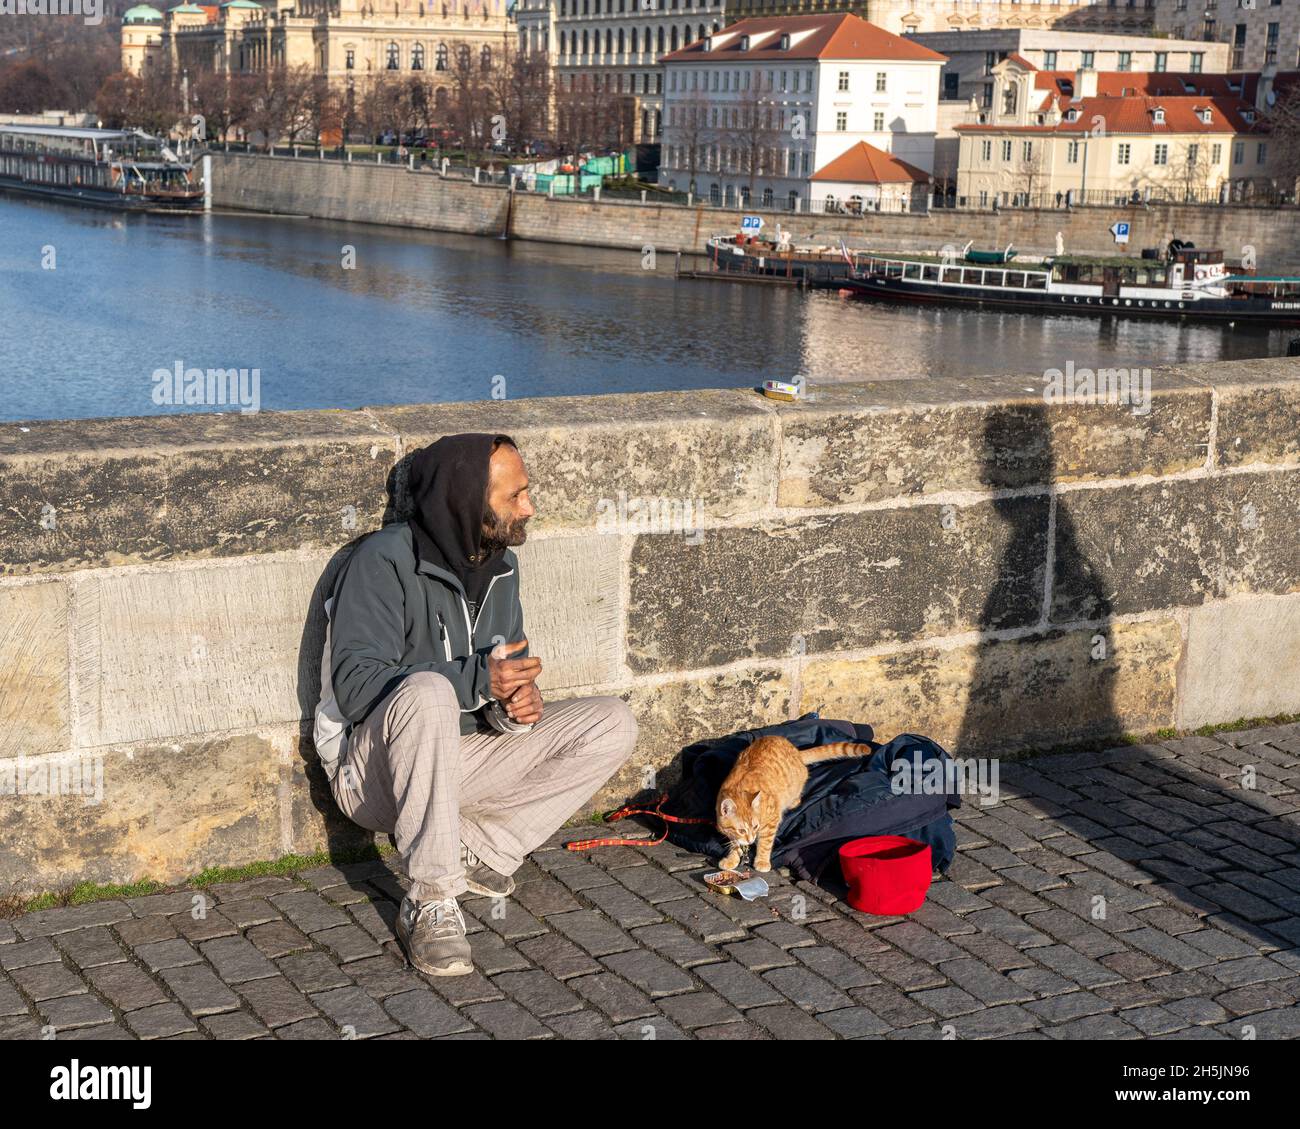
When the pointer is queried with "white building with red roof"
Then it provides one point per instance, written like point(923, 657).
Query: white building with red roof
point(759, 110)
point(1052, 137)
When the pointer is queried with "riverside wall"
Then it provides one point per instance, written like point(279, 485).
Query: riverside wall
point(954, 557)
point(387, 194)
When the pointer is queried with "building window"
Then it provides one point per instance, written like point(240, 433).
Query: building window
point(1124, 153)
point(951, 86)
point(841, 121)
point(1238, 152)
point(986, 150)
point(1049, 60)
point(417, 57)
point(1088, 59)
point(1162, 60)
point(878, 122)
point(844, 80)
point(1197, 62)
point(880, 82)
point(394, 57)
point(350, 59)
point(986, 96)
point(440, 57)
point(1193, 153)
point(1006, 149)
point(485, 58)
point(1270, 44)
point(1125, 61)
point(990, 61)
point(1161, 154)
point(1216, 153)
point(1072, 153)
point(1261, 153)
point(1027, 151)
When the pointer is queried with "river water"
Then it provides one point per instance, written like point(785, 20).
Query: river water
point(419, 316)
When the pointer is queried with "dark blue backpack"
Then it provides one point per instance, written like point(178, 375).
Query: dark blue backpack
point(846, 798)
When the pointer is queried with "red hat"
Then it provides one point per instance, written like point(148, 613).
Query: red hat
point(887, 874)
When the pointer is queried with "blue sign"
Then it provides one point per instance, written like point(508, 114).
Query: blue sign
point(751, 225)
point(1120, 231)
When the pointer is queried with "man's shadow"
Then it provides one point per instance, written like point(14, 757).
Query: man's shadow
point(1190, 836)
point(345, 841)
point(1014, 678)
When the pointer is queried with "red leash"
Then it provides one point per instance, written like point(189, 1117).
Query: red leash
point(623, 813)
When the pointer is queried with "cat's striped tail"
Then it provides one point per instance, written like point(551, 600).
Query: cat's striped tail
point(830, 752)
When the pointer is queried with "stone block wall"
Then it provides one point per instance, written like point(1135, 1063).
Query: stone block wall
point(387, 194)
point(958, 558)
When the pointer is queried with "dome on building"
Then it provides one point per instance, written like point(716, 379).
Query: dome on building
point(241, 4)
point(188, 10)
point(141, 14)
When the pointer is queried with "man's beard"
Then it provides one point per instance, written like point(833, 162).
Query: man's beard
point(501, 534)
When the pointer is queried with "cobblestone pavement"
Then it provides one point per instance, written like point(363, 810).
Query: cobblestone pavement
point(1141, 892)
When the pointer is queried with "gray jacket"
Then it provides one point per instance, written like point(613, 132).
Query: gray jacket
point(394, 615)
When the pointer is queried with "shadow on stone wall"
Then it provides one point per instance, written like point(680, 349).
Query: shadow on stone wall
point(1184, 842)
point(344, 840)
point(1018, 451)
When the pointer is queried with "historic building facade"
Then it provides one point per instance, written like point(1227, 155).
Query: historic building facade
point(1258, 33)
point(795, 109)
point(614, 46)
point(1051, 137)
point(907, 17)
point(340, 39)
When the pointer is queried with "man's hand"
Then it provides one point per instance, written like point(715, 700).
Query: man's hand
point(506, 675)
point(525, 705)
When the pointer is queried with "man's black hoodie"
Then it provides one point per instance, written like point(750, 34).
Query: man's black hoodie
point(398, 610)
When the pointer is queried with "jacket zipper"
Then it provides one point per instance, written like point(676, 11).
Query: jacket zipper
point(442, 634)
point(469, 627)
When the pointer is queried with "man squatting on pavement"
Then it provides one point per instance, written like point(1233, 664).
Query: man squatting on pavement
point(449, 747)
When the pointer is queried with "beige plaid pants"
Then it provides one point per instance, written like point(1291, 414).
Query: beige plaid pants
point(410, 773)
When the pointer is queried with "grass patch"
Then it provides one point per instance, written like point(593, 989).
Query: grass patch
point(14, 905)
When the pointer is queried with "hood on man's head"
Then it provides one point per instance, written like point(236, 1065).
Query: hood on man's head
point(448, 488)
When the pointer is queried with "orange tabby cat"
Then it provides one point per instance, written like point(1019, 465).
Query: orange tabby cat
point(767, 780)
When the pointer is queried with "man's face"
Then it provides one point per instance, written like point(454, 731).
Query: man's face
point(508, 506)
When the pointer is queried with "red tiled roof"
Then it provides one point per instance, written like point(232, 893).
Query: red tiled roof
point(839, 35)
point(1135, 115)
point(1166, 83)
point(1017, 57)
point(865, 164)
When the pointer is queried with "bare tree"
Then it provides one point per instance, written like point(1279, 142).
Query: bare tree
point(1031, 168)
point(151, 102)
point(224, 100)
point(755, 133)
point(518, 88)
point(688, 128)
point(1283, 125)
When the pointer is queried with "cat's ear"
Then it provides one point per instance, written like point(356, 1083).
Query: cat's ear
point(754, 805)
point(728, 807)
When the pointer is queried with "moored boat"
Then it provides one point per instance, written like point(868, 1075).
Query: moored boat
point(797, 260)
point(1185, 284)
point(116, 168)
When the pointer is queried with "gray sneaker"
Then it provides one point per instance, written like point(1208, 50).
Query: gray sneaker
point(482, 879)
point(433, 935)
